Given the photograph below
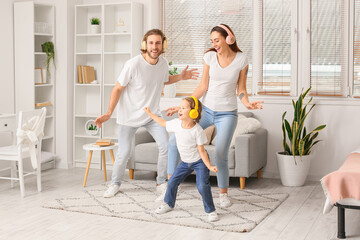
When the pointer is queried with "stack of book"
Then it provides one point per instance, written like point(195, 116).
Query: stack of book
point(103, 143)
point(86, 74)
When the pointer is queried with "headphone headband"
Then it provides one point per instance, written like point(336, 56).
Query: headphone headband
point(230, 38)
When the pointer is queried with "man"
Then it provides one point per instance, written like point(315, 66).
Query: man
point(139, 85)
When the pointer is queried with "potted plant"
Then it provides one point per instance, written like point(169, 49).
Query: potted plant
point(91, 128)
point(170, 90)
point(294, 161)
point(94, 25)
point(48, 48)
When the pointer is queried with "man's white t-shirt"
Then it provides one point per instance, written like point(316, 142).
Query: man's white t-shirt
point(143, 84)
point(221, 93)
point(187, 139)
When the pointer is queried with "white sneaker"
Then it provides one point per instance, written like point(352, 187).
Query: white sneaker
point(111, 191)
point(162, 190)
point(224, 200)
point(213, 217)
point(164, 208)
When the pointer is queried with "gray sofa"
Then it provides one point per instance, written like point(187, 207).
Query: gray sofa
point(247, 157)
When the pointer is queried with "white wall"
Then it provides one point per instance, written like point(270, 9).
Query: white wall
point(340, 137)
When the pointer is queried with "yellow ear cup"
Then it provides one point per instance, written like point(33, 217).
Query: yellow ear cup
point(165, 45)
point(194, 112)
point(143, 45)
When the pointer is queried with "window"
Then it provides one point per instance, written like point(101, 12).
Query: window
point(291, 44)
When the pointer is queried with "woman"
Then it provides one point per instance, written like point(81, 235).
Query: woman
point(224, 78)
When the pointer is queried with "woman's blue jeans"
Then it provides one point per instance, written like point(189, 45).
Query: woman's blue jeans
point(202, 183)
point(225, 123)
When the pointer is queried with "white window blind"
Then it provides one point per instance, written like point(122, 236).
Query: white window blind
point(328, 61)
point(356, 51)
point(276, 63)
point(187, 25)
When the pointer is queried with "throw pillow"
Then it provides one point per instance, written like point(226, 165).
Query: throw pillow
point(244, 125)
point(209, 132)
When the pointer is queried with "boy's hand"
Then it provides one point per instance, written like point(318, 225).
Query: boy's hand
point(147, 110)
point(213, 169)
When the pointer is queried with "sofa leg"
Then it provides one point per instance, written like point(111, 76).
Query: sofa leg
point(131, 173)
point(259, 172)
point(242, 182)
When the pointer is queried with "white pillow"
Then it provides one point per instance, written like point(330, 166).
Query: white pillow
point(244, 125)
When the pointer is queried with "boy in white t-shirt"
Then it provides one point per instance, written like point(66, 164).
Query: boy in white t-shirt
point(190, 138)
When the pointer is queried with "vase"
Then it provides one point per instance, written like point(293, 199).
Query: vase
point(95, 29)
point(170, 91)
point(291, 174)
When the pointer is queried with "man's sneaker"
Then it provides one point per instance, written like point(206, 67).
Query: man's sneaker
point(112, 191)
point(164, 208)
point(162, 190)
point(224, 200)
point(213, 217)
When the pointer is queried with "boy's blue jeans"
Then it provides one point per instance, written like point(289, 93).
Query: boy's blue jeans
point(202, 183)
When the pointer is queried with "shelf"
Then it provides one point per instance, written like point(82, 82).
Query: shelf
point(40, 53)
point(44, 34)
point(87, 136)
point(118, 34)
point(47, 137)
point(44, 85)
point(86, 53)
point(117, 53)
point(50, 116)
point(88, 35)
point(87, 85)
point(109, 84)
point(86, 115)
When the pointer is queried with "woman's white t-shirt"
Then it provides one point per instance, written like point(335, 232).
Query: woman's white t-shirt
point(221, 93)
point(143, 84)
point(187, 139)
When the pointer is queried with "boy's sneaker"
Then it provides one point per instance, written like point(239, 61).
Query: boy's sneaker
point(213, 217)
point(224, 200)
point(111, 191)
point(164, 208)
point(162, 190)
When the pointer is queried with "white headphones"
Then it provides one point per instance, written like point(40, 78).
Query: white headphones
point(230, 38)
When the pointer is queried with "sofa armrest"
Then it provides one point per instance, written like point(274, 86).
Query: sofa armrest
point(250, 152)
point(143, 136)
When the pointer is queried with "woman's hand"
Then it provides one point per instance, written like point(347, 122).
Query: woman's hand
point(189, 74)
point(170, 111)
point(100, 120)
point(213, 169)
point(254, 105)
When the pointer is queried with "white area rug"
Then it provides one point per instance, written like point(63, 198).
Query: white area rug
point(136, 201)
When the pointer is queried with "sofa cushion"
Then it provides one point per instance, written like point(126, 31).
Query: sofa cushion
point(209, 133)
point(146, 153)
point(231, 156)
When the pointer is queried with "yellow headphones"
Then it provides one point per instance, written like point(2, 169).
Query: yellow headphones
point(165, 44)
point(194, 112)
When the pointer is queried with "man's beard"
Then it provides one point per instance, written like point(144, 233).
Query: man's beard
point(152, 55)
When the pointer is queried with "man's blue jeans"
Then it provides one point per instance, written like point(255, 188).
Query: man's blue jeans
point(202, 183)
point(225, 123)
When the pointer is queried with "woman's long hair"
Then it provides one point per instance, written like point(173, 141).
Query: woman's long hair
point(223, 32)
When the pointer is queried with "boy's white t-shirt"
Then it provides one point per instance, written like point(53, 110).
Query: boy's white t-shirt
point(187, 139)
point(143, 84)
point(221, 93)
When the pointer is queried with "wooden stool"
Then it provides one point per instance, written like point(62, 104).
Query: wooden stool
point(91, 147)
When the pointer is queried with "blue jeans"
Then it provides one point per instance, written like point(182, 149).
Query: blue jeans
point(202, 183)
point(225, 123)
point(125, 139)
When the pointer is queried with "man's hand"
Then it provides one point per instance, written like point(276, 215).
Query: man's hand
point(147, 110)
point(170, 111)
point(189, 74)
point(213, 169)
point(100, 120)
point(254, 105)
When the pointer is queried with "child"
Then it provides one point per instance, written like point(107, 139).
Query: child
point(190, 138)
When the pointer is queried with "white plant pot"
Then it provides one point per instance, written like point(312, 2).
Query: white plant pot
point(95, 29)
point(170, 91)
point(293, 175)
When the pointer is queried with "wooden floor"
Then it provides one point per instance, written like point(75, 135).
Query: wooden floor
point(299, 217)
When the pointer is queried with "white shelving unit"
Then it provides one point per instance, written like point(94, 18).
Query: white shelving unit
point(34, 24)
point(119, 40)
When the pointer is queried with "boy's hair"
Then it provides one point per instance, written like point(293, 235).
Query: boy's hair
point(191, 102)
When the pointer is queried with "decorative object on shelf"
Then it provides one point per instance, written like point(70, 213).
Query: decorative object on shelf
point(91, 128)
point(294, 162)
point(39, 76)
point(120, 26)
point(42, 104)
point(95, 25)
point(48, 48)
point(170, 90)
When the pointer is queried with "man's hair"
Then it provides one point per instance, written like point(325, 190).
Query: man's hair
point(191, 102)
point(154, 32)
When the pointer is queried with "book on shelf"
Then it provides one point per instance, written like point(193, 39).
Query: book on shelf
point(104, 142)
point(86, 74)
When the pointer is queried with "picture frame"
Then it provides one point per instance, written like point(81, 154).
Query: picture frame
point(39, 76)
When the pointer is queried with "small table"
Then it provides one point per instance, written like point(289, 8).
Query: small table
point(91, 147)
